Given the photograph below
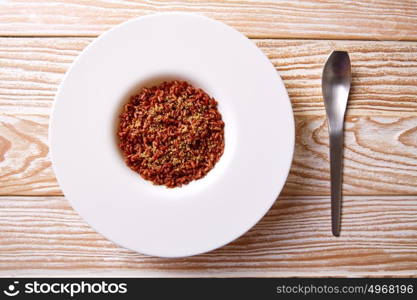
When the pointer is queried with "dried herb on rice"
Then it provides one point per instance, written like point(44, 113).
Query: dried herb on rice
point(171, 133)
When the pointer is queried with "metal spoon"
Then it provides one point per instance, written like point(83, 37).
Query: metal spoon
point(335, 83)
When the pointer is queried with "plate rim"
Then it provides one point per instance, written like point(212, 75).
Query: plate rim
point(187, 14)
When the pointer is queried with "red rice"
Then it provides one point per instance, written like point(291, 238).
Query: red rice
point(171, 133)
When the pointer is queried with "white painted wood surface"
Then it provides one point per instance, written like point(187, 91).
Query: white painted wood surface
point(40, 234)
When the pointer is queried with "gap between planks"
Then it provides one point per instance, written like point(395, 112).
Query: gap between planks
point(341, 39)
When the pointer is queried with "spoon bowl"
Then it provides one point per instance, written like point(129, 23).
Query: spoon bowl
point(336, 81)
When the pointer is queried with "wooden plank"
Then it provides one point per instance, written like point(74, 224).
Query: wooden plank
point(364, 19)
point(25, 166)
point(380, 156)
point(384, 73)
point(380, 130)
point(43, 235)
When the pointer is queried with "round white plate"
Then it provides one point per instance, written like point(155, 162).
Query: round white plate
point(207, 213)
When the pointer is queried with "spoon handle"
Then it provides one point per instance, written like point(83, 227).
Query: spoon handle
point(336, 158)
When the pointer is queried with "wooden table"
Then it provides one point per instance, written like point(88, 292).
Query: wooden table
point(40, 234)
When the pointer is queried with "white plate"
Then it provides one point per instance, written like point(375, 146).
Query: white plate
point(205, 214)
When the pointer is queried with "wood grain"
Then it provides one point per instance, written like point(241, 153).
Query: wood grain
point(43, 236)
point(384, 74)
point(364, 19)
point(381, 134)
point(379, 157)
